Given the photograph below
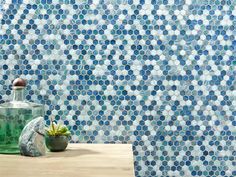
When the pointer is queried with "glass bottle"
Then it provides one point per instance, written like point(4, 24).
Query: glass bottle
point(14, 115)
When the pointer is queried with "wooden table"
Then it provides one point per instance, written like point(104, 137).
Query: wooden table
point(79, 160)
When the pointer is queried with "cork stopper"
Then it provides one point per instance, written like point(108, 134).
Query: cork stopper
point(19, 83)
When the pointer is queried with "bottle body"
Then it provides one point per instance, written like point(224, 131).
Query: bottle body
point(12, 121)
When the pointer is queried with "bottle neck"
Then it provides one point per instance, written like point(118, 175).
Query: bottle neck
point(19, 94)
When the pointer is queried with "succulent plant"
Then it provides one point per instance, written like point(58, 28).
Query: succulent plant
point(57, 129)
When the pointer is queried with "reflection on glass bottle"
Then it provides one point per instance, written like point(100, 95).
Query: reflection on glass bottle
point(14, 115)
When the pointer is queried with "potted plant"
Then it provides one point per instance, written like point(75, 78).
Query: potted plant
point(57, 137)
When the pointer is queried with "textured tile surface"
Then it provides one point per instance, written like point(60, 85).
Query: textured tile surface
point(158, 74)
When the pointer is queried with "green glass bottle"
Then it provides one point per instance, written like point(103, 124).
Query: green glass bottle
point(14, 115)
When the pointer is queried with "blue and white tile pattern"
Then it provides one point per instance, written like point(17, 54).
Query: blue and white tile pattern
point(156, 73)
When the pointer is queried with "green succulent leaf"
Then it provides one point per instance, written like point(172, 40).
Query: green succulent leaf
point(57, 130)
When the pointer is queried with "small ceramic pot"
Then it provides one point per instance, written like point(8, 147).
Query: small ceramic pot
point(57, 143)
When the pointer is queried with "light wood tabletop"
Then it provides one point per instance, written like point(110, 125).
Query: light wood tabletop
point(79, 160)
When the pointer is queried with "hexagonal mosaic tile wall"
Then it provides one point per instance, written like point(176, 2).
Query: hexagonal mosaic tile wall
point(159, 74)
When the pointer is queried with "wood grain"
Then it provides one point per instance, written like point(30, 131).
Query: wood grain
point(79, 160)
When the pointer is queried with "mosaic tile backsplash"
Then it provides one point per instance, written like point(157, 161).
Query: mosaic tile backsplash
point(159, 74)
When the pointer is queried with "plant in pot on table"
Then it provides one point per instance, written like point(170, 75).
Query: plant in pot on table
point(57, 137)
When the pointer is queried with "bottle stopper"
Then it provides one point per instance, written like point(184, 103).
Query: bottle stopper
point(19, 83)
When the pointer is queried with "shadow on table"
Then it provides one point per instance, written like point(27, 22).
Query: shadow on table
point(71, 153)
